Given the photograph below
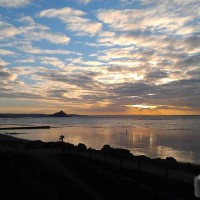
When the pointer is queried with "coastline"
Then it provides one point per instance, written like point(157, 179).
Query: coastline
point(162, 137)
point(113, 164)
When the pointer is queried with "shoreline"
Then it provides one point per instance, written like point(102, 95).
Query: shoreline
point(13, 134)
point(178, 138)
point(113, 164)
point(117, 152)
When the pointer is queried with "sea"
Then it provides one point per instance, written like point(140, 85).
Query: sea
point(153, 136)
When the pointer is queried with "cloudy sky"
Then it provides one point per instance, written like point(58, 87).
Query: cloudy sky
point(100, 56)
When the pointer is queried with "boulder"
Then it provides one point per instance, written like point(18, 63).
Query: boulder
point(124, 153)
point(171, 159)
point(106, 148)
point(81, 147)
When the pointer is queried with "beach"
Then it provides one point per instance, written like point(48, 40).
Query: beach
point(59, 170)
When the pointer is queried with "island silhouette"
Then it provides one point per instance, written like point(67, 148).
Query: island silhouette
point(59, 114)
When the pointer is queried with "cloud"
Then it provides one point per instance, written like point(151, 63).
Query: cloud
point(84, 2)
point(132, 89)
point(154, 16)
point(150, 52)
point(80, 80)
point(52, 61)
point(87, 85)
point(32, 31)
point(136, 40)
point(126, 2)
point(5, 52)
point(27, 60)
point(126, 52)
point(20, 95)
point(91, 63)
point(55, 38)
point(190, 62)
point(194, 73)
point(3, 63)
point(73, 20)
point(106, 34)
point(174, 7)
point(190, 44)
point(141, 57)
point(31, 24)
point(155, 75)
point(189, 29)
point(182, 94)
point(14, 3)
point(8, 30)
point(26, 71)
point(6, 75)
point(34, 50)
point(133, 19)
point(35, 31)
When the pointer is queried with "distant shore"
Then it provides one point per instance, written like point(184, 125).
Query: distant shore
point(57, 114)
point(111, 162)
point(33, 115)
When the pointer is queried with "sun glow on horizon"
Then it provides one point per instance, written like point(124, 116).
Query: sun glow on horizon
point(143, 106)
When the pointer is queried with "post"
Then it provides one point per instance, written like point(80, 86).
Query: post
point(68, 148)
point(62, 138)
point(105, 157)
point(62, 144)
point(78, 154)
point(120, 162)
point(166, 170)
point(139, 164)
point(90, 151)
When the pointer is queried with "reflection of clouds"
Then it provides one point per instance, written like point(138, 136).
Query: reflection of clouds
point(183, 156)
point(182, 145)
point(163, 144)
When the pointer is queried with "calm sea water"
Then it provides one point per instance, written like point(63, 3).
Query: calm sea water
point(154, 136)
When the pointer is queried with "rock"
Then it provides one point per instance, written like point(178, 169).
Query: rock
point(143, 157)
point(171, 159)
point(124, 153)
point(106, 148)
point(59, 114)
point(82, 147)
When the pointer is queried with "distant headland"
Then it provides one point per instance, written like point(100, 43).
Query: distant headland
point(57, 114)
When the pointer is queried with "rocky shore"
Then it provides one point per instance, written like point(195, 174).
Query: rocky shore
point(59, 170)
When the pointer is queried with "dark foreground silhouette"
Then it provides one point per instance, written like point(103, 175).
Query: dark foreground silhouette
point(58, 170)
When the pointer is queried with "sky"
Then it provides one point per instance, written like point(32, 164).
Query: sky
point(100, 57)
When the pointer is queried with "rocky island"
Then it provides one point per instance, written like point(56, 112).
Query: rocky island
point(59, 114)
